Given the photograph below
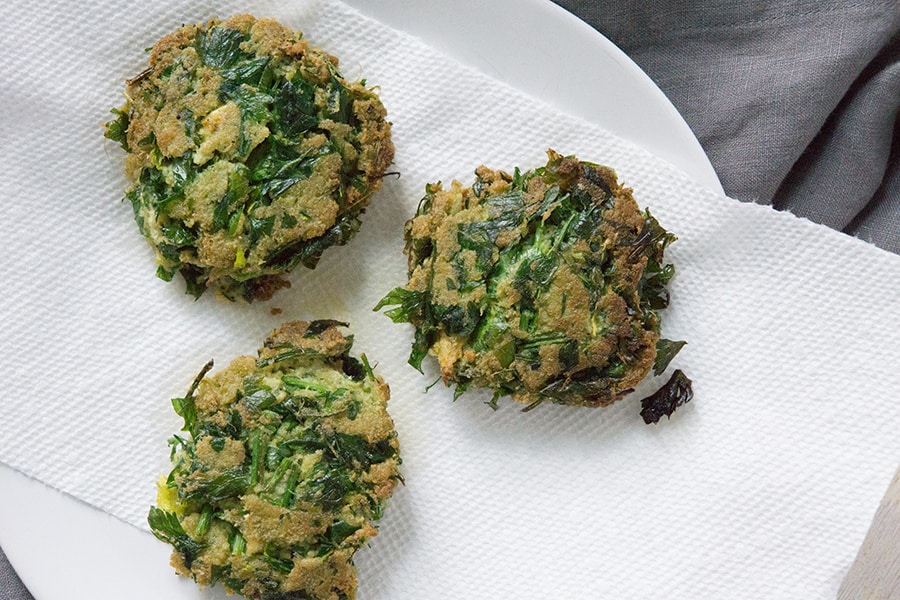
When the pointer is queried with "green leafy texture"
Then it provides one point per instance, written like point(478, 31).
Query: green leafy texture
point(309, 252)
point(117, 129)
point(410, 305)
point(185, 407)
point(288, 434)
point(261, 228)
point(179, 233)
point(254, 103)
point(252, 71)
point(195, 279)
point(229, 484)
point(665, 352)
point(295, 108)
point(544, 285)
point(340, 99)
point(166, 527)
point(220, 47)
point(280, 168)
point(288, 102)
point(231, 205)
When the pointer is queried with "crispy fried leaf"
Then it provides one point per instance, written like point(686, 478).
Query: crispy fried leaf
point(666, 399)
point(665, 352)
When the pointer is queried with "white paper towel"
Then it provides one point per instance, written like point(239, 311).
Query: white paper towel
point(763, 487)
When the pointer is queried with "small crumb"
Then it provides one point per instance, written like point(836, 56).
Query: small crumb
point(275, 311)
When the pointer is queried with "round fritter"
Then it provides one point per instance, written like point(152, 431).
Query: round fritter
point(250, 154)
point(542, 285)
point(288, 460)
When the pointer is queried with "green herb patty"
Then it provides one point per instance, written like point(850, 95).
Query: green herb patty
point(543, 285)
point(250, 154)
point(288, 461)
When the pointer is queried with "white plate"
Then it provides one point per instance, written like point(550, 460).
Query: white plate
point(64, 549)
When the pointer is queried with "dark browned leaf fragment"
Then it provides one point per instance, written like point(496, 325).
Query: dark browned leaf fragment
point(665, 400)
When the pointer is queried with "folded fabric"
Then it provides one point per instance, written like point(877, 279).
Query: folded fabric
point(795, 103)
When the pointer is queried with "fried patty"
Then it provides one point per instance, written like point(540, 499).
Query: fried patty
point(542, 286)
point(250, 154)
point(287, 462)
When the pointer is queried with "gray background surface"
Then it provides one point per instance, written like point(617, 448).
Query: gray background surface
point(795, 102)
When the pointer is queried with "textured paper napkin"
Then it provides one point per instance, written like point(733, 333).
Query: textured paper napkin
point(763, 487)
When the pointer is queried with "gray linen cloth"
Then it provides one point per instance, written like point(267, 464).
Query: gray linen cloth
point(796, 103)
point(11, 587)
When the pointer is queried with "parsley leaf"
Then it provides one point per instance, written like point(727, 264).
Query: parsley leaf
point(665, 352)
point(220, 47)
point(165, 527)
